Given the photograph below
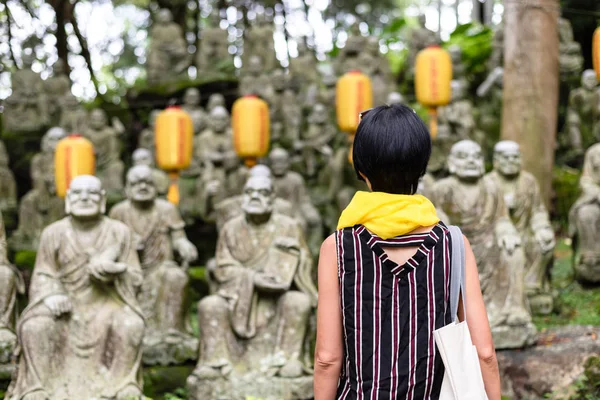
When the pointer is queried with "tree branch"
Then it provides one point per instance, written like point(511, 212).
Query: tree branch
point(9, 28)
point(27, 8)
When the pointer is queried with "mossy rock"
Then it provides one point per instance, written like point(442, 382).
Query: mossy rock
point(162, 382)
point(565, 181)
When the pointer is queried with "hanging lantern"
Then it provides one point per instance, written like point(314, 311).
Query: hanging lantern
point(251, 128)
point(596, 51)
point(74, 156)
point(353, 94)
point(433, 74)
point(174, 137)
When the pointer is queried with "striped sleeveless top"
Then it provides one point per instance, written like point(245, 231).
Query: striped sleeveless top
point(389, 314)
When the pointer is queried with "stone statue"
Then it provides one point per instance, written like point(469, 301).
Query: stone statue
point(158, 230)
point(420, 38)
point(256, 323)
point(259, 42)
point(8, 185)
point(583, 113)
point(168, 57)
point(12, 284)
point(459, 114)
point(571, 57)
point(57, 86)
point(490, 93)
point(315, 142)
point(584, 220)
point(191, 104)
point(146, 138)
point(38, 208)
point(255, 81)
point(213, 142)
point(290, 185)
point(215, 99)
point(476, 204)
point(279, 80)
point(459, 72)
point(347, 59)
point(73, 117)
point(42, 164)
point(292, 118)
point(303, 69)
point(497, 57)
point(530, 217)
point(160, 177)
point(82, 307)
point(427, 188)
point(109, 167)
point(213, 55)
point(395, 98)
point(26, 109)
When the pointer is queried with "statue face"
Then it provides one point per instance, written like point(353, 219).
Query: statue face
point(51, 139)
point(466, 160)
point(260, 170)
point(85, 197)
point(165, 16)
point(422, 20)
point(215, 100)
point(27, 60)
point(97, 119)
point(589, 79)
point(255, 65)
point(458, 90)
point(258, 196)
point(59, 67)
point(219, 119)
point(507, 158)
point(191, 97)
point(280, 162)
point(142, 157)
point(140, 184)
point(230, 160)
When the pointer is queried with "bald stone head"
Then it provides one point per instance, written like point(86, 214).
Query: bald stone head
point(86, 200)
point(191, 97)
point(142, 157)
point(466, 161)
point(507, 158)
point(97, 118)
point(395, 98)
point(219, 119)
point(216, 99)
point(319, 114)
point(51, 139)
point(260, 170)
point(459, 90)
point(164, 16)
point(258, 196)
point(279, 159)
point(589, 80)
point(591, 163)
point(140, 186)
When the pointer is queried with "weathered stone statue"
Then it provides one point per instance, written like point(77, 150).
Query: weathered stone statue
point(458, 68)
point(583, 113)
point(420, 38)
point(168, 57)
point(255, 81)
point(584, 220)
point(57, 86)
point(427, 188)
point(303, 69)
point(213, 55)
point(252, 331)
point(259, 42)
point(347, 59)
point(497, 58)
point(490, 105)
point(158, 231)
point(530, 217)
point(26, 109)
point(146, 137)
point(161, 179)
point(280, 82)
point(82, 308)
point(73, 117)
point(42, 164)
point(327, 90)
point(315, 142)
point(290, 186)
point(215, 99)
point(213, 142)
point(459, 114)
point(12, 284)
point(571, 57)
point(191, 104)
point(8, 185)
point(109, 167)
point(476, 204)
point(38, 208)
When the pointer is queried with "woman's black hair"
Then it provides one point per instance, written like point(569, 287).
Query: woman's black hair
point(392, 147)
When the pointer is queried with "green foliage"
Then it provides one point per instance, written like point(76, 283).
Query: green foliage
point(576, 305)
point(565, 181)
point(25, 259)
point(160, 381)
point(475, 40)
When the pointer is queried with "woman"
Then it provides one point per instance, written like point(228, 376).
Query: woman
point(388, 267)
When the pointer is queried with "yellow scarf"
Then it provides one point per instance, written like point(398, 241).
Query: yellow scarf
point(388, 215)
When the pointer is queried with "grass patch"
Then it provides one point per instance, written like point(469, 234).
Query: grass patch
point(575, 305)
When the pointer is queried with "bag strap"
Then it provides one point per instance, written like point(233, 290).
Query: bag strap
point(457, 272)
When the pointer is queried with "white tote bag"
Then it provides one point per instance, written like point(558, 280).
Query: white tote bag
point(462, 379)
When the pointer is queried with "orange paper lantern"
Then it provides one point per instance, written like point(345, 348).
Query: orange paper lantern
point(433, 75)
point(353, 94)
point(251, 128)
point(74, 156)
point(596, 51)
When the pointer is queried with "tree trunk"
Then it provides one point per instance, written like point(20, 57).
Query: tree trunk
point(531, 81)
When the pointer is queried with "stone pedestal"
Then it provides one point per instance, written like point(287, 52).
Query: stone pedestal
point(250, 386)
point(513, 337)
point(171, 350)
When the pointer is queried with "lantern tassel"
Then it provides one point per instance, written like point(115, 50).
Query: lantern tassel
point(173, 194)
point(433, 123)
point(250, 162)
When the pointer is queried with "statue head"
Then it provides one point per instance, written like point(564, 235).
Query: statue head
point(142, 157)
point(279, 159)
point(319, 114)
point(231, 161)
point(329, 80)
point(140, 186)
point(191, 97)
point(51, 139)
point(588, 79)
point(507, 158)
point(591, 163)
point(27, 59)
point(455, 54)
point(255, 65)
point(373, 45)
point(97, 118)
point(164, 16)
point(395, 98)
point(258, 197)
point(216, 99)
point(459, 90)
point(219, 119)
point(422, 20)
point(466, 160)
point(85, 199)
point(260, 170)
point(70, 102)
point(279, 80)
point(152, 118)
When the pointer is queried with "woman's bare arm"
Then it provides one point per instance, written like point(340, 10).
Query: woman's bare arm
point(479, 327)
point(329, 349)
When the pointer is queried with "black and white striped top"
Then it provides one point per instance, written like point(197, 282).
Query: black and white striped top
point(390, 312)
